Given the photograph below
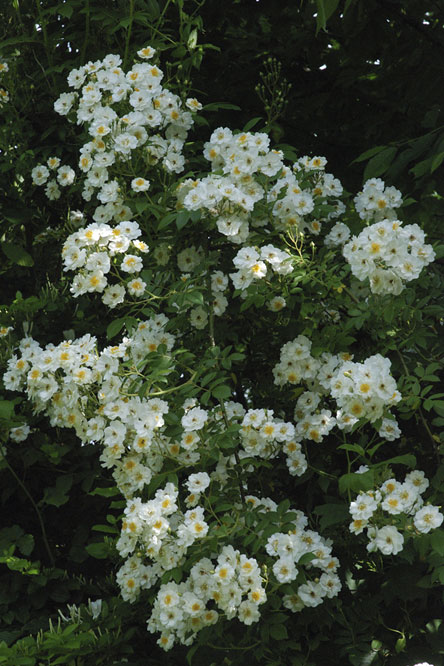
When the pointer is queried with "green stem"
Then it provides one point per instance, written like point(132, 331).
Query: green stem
point(86, 37)
point(128, 33)
point(42, 23)
point(236, 455)
point(162, 14)
point(428, 431)
point(247, 647)
point(39, 515)
point(211, 312)
point(348, 471)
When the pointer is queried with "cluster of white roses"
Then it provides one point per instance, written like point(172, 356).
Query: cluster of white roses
point(305, 196)
point(163, 532)
point(41, 173)
point(160, 530)
point(289, 548)
point(389, 255)
point(98, 250)
point(251, 264)
point(80, 388)
point(377, 202)
point(360, 390)
point(397, 499)
point(99, 394)
point(233, 584)
point(264, 436)
point(386, 253)
point(148, 117)
point(232, 198)
point(248, 184)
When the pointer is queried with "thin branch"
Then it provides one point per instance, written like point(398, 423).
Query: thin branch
point(39, 515)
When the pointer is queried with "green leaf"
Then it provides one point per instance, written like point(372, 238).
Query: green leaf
point(348, 4)
point(325, 8)
point(363, 157)
point(190, 654)
point(153, 8)
point(356, 482)
point(353, 447)
point(141, 205)
point(437, 161)
point(182, 219)
point(26, 544)
point(195, 297)
point(166, 220)
point(437, 541)
point(57, 495)
point(221, 392)
point(106, 492)
point(251, 123)
point(278, 632)
point(289, 153)
point(115, 327)
point(107, 529)
point(306, 558)
point(98, 550)
point(215, 106)
point(331, 514)
point(407, 459)
point(17, 254)
point(379, 164)
point(65, 9)
point(6, 409)
point(421, 168)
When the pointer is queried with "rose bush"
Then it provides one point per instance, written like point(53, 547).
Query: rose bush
point(242, 381)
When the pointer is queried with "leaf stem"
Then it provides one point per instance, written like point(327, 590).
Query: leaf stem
point(128, 33)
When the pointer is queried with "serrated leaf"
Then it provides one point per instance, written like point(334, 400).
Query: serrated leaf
point(221, 392)
point(356, 482)
point(26, 544)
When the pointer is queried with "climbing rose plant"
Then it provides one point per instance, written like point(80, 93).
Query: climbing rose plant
point(190, 247)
